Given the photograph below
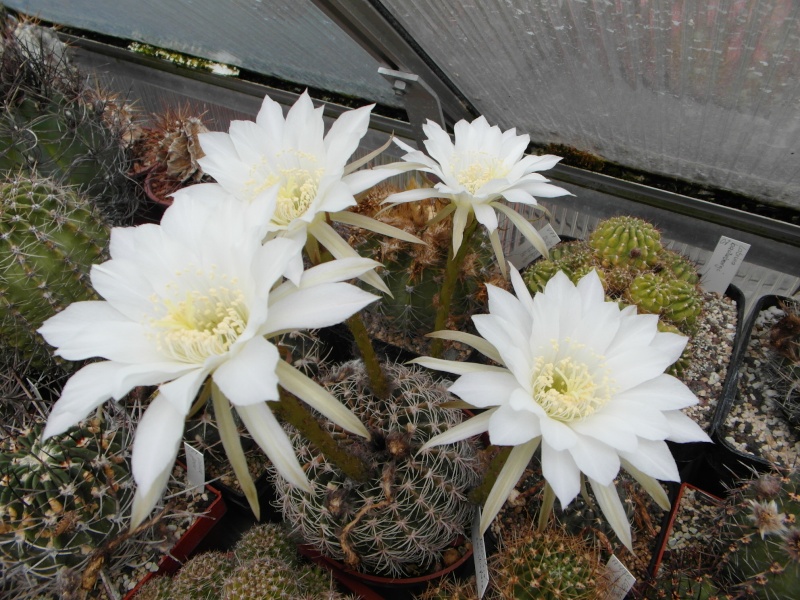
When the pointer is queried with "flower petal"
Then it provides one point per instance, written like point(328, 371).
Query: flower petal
point(614, 511)
point(249, 376)
point(272, 439)
point(509, 475)
point(653, 458)
point(509, 427)
point(318, 398)
point(473, 426)
point(322, 305)
point(155, 447)
point(684, 429)
point(483, 390)
point(561, 472)
point(87, 389)
point(595, 459)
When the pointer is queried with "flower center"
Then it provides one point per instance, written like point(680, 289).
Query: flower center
point(568, 389)
point(203, 323)
point(298, 176)
point(476, 169)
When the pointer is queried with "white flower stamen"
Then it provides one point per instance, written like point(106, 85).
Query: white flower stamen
point(203, 323)
point(568, 389)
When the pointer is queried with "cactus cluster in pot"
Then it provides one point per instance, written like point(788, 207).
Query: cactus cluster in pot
point(412, 504)
point(634, 267)
point(377, 464)
point(264, 564)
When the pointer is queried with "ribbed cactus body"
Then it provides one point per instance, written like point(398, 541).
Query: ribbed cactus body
point(202, 577)
point(414, 504)
point(61, 498)
point(626, 241)
point(674, 299)
point(49, 239)
point(761, 536)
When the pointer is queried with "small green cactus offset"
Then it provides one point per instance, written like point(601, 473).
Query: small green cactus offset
point(61, 499)
point(414, 503)
point(626, 241)
point(49, 238)
point(676, 300)
point(761, 536)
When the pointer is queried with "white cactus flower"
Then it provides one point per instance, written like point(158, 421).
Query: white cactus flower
point(196, 297)
point(580, 378)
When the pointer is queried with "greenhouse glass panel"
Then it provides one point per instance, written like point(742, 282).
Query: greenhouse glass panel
point(291, 40)
point(702, 90)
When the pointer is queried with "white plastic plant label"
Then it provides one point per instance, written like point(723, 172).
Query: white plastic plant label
point(195, 468)
point(524, 254)
point(723, 265)
point(479, 555)
point(619, 579)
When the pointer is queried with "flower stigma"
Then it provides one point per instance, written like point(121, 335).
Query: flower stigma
point(568, 389)
point(203, 323)
point(476, 169)
point(298, 178)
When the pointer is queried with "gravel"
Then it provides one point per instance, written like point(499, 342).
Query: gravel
point(755, 424)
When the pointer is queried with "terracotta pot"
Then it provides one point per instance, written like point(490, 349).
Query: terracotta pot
point(375, 587)
point(183, 548)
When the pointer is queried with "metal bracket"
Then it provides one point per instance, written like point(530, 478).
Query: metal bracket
point(420, 101)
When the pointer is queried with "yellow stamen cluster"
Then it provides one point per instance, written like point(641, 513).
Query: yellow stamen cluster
point(569, 389)
point(204, 323)
point(298, 176)
point(476, 169)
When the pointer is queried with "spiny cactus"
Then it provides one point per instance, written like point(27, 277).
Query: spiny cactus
point(264, 578)
point(169, 148)
point(414, 272)
point(54, 124)
point(626, 241)
point(680, 586)
point(413, 505)
point(202, 577)
point(760, 533)
point(785, 363)
point(675, 299)
point(547, 565)
point(60, 499)
point(451, 589)
point(266, 539)
point(49, 239)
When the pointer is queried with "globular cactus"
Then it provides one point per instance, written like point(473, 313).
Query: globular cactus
point(414, 272)
point(676, 300)
point(266, 539)
point(263, 578)
point(680, 586)
point(55, 125)
point(676, 266)
point(202, 577)
point(547, 565)
point(169, 149)
point(626, 241)
point(760, 536)
point(413, 505)
point(49, 239)
point(60, 500)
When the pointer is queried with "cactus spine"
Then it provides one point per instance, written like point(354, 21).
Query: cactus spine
point(413, 505)
point(49, 239)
